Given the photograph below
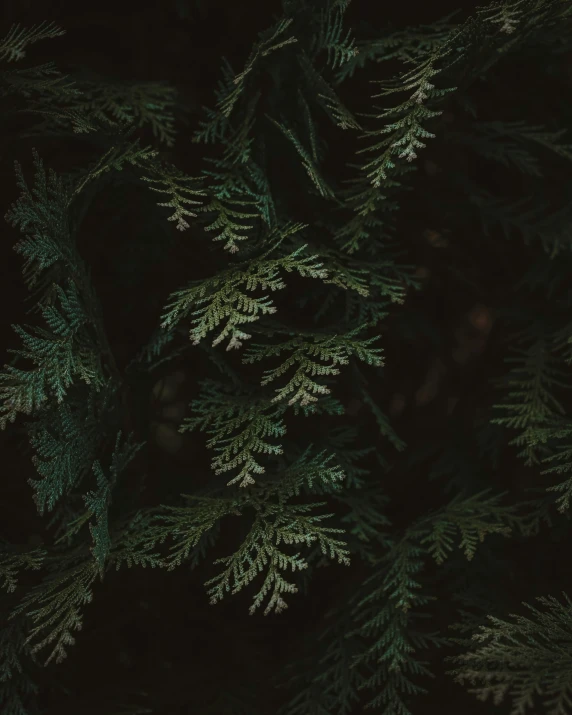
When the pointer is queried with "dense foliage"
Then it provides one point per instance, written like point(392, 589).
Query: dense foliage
point(345, 390)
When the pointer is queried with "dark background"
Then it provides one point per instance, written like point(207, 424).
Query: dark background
point(154, 631)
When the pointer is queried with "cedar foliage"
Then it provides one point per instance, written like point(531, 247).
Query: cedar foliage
point(368, 296)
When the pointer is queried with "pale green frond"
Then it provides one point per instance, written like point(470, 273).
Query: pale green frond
point(13, 45)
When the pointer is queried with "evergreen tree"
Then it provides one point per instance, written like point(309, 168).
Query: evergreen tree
point(365, 355)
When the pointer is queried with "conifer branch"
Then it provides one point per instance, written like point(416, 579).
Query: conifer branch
point(526, 660)
point(55, 608)
point(224, 297)
point(305, 351)
point(13, 45)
